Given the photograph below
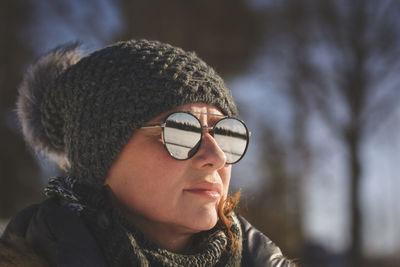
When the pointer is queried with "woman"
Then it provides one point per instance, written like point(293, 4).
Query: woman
point(147, 135)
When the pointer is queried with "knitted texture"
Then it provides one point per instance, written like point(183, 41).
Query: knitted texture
point(87, 111)
point(125, 245)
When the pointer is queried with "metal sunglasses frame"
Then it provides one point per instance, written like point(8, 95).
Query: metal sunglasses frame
point(210, 129)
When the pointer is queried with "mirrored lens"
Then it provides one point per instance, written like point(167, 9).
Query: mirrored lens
point(232, 137)
point(182, 135)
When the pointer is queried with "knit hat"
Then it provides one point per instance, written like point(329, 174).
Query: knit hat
point(81, 111)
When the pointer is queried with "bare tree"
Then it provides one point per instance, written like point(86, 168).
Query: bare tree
point(341, 53)
point(276, 207)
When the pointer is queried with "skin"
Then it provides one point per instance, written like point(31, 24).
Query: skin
point(170, 200)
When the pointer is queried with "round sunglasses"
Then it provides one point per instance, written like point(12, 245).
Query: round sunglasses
point(182, 133)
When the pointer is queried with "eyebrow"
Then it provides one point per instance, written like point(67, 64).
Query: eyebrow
point(205, 113)
point(213, 121)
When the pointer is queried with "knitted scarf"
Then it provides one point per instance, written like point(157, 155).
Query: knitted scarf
point(125, 245)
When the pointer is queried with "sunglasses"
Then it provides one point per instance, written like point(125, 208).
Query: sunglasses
point(182, 133)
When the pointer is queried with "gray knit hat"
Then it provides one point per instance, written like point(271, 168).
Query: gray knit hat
point(81, 111)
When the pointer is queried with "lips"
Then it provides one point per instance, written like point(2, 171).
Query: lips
point(205, 189)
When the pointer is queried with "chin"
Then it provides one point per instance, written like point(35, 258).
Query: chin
point(204, 222)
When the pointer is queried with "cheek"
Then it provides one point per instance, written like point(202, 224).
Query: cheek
point(142, 180)
point(225, 174)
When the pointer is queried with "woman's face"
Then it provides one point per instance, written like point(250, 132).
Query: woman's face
point(159, 191)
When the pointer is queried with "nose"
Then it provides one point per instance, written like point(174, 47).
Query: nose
point(209, 154)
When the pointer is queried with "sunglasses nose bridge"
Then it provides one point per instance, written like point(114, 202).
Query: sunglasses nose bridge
point(208, 129)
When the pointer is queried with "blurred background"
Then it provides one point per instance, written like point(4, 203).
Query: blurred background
point(317, 82)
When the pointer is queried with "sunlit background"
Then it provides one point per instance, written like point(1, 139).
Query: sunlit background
point(317, 82)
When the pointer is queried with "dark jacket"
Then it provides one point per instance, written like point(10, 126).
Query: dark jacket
point(61, 237)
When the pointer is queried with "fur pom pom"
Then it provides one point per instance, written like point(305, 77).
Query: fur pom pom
point(38, 81)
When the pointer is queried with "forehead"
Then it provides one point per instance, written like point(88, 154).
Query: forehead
point(199, 108)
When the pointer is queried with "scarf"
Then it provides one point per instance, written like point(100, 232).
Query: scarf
point(123, 244)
